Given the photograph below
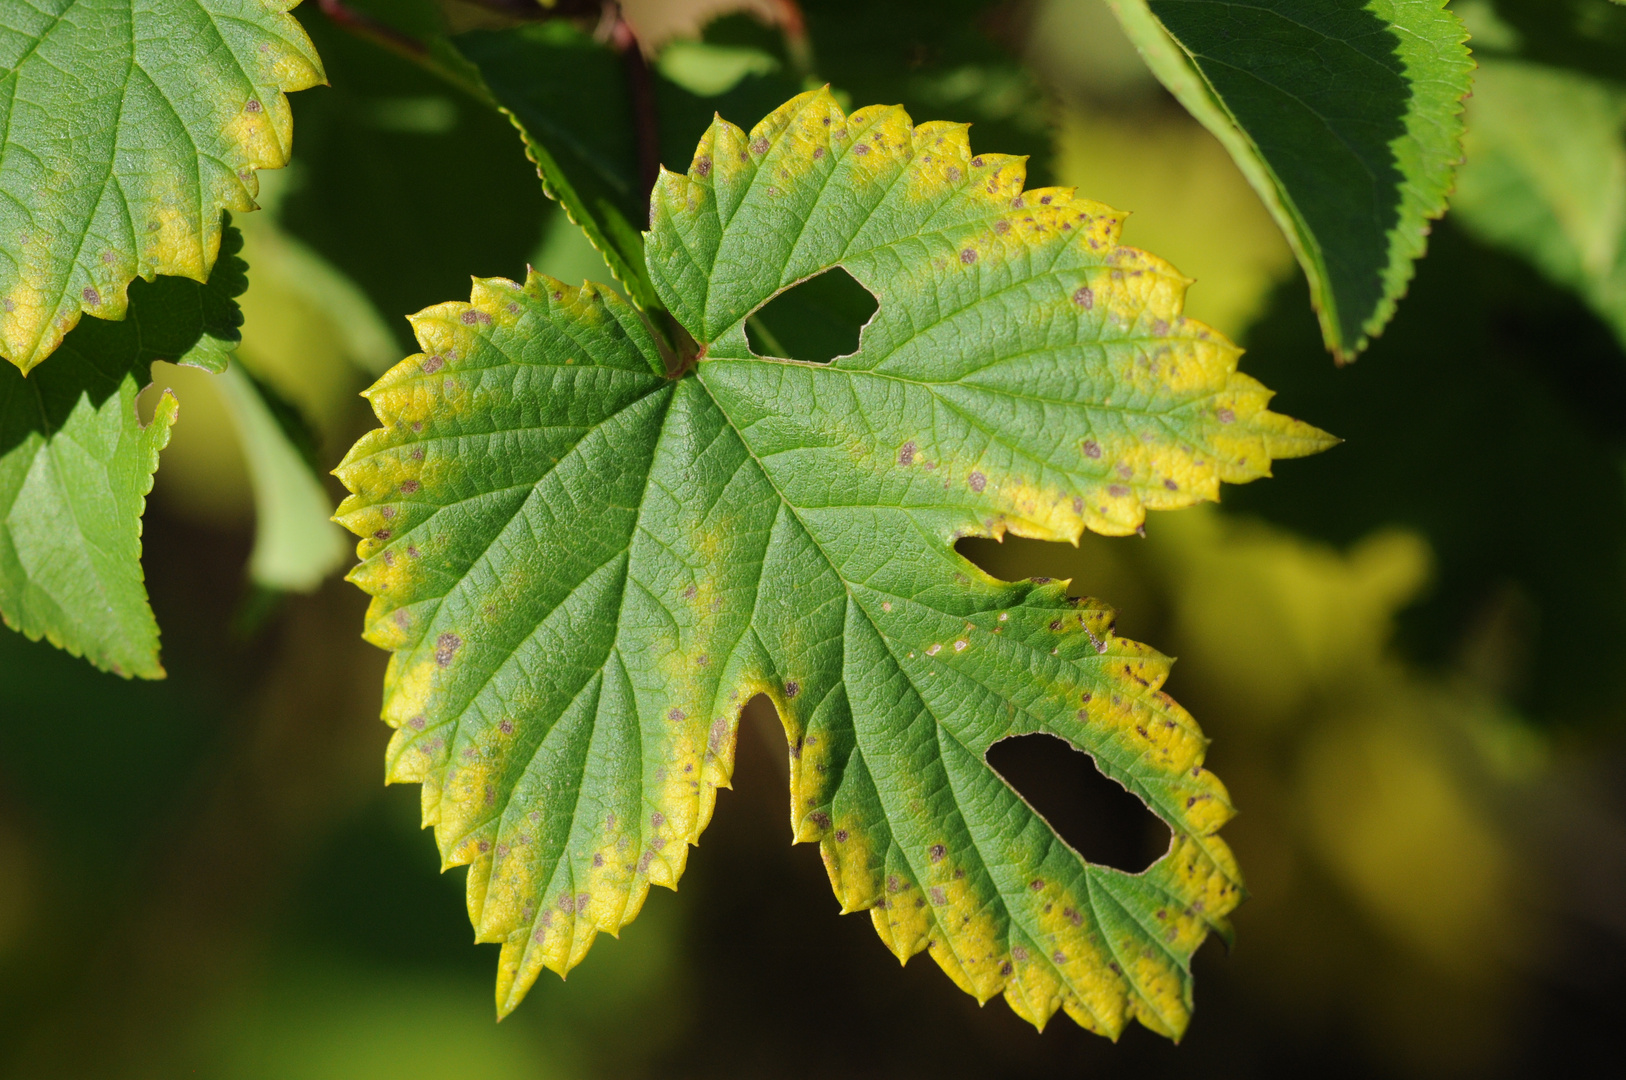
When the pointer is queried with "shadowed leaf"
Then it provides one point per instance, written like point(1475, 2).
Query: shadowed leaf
point(76, 465)
point(1343, 116)
point(570, 96)
point(1547, 177)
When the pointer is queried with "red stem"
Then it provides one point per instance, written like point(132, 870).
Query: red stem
point(379, 33)
point(642, 88)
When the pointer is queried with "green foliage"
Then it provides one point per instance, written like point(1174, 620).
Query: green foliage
point(1581, 35)
point(570, 97)
point(76, 464)
point(595, 527)
point(128, 128)
point(294, 545)
point(587, 552)
point(1454, 424)
point(1344, 118)
point(1547, 176)
point(403, 183)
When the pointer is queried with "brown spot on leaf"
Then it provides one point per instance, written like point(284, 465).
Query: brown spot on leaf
point(702, 165)
point(445, 647)
point(1085, 298)
point(906, 455)
point(968, 256)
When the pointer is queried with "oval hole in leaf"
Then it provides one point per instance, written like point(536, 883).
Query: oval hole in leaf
point(1097, 816)
point(816, 321)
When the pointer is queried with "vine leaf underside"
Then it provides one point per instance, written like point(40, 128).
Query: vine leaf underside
point(585, 566)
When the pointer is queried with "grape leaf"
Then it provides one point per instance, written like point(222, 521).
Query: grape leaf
point(1344, 117)
point(128, 127)
point(1547, 177)
point(586, 554)
point(76, 464)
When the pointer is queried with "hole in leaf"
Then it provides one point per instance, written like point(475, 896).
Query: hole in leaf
point(1097, 816)
point(815, 321)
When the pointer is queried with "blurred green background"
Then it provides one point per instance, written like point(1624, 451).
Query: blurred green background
point(1408, 652)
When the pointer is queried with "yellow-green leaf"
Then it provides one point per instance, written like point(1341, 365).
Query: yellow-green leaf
point(587, 554)
point(127, 128)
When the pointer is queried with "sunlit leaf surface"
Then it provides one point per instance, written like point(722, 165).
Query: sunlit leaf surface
point(587, 551)
point(127, 127)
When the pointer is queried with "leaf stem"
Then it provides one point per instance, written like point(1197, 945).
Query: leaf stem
point(642, 90)
point(798, 46)
point(374, 30)
point(404, 45)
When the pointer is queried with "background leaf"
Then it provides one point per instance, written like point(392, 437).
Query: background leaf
point(295, 543)
point(128, 128)
point(76, 465)
point(1519, 392)
point(404, 183)
point(1343, 117)
point(1546, 176)
point(569, 95)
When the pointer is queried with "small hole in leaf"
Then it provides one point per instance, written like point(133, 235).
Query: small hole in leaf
point(815, 321)
point(1097, 816)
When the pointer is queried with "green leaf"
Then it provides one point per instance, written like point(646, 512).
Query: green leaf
point(570, 97)
point(369, 193)
point(1547, 177)
point(295, 543)
point(567, 95)
point(585, 567)
point(1581, 35)
point(1482, 339)
point(1344, 117)
point(76, 464)
point(128, 127)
